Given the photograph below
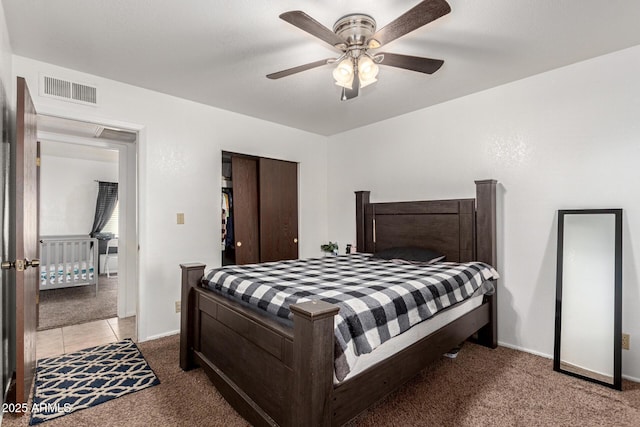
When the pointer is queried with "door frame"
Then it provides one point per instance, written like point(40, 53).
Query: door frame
point(128, 188)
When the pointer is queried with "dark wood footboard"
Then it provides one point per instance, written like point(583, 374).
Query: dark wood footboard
point(270, 373)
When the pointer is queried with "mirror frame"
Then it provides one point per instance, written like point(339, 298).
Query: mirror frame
point(617, 321)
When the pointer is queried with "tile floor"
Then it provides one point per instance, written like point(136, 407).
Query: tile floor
point(67, 339)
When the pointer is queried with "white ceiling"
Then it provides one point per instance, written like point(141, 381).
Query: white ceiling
point(218, 52)
point(74, 139)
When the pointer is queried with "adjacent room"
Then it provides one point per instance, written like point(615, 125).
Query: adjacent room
point(327, 214)
point(78, 236)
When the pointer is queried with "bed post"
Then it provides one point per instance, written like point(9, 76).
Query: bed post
point(362, 199)
point(191, 275)
point(486, 250)
point(313, 346)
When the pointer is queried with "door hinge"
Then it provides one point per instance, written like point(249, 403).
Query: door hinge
point(38, 161)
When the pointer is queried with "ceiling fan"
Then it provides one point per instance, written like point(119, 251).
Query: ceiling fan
point(355, 36)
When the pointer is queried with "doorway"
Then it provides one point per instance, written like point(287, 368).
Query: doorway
point(20, 233)
point(74, 286)
point(99, 154)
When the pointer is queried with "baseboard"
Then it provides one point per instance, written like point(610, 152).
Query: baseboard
point(629, 378)
point(165, 334)
point(526, 350)
point(550, 356)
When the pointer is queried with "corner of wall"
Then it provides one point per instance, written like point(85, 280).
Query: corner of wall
point(6, 61)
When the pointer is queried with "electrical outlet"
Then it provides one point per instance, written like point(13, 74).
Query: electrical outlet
point(180, 218)
point(178, 306)
point(625, 341)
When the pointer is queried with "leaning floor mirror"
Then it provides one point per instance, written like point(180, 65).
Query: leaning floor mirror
point(588, 327)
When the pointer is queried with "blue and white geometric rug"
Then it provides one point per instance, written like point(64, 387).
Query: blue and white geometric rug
point(86, 378)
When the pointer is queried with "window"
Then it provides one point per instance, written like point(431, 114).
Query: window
point(112, 224)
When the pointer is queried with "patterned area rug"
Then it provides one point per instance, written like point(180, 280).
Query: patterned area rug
point(86, 378)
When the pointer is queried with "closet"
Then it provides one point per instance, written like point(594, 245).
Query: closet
point(259, 209)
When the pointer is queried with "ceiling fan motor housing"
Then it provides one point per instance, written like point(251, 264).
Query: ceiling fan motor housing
point(355, 28)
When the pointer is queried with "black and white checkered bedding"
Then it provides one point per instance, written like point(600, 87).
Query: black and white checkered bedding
point(378, 299)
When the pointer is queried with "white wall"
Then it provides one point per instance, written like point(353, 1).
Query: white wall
point(568, 138)
point(6, 111)
point(5, 57)
point(179, 171)
point(68, 193)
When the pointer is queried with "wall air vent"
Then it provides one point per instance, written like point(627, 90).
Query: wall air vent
point(67, 90)
point(115, 134)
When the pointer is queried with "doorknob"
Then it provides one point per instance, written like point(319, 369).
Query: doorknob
point(20, 264)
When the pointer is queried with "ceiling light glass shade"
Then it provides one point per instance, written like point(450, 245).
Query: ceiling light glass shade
point(365, 83)
point(367, 71)
point(343, 73)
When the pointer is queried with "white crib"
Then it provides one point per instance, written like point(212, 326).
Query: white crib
point(68, 261)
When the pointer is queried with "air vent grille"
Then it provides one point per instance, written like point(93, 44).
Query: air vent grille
point(57, 87)
point(68, 90)
point(116, 134)
point(83, 93)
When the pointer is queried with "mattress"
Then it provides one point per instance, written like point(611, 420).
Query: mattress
point(413, 335)
point(378, 299)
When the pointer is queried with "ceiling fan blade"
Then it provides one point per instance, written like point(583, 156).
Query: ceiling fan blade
point(413, 63)
point(425, 12)
point(299, 68)
point(355, 88)
point(306, 23)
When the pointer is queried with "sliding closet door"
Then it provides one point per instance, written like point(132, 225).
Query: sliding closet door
point(278, 210)
point(245, 209)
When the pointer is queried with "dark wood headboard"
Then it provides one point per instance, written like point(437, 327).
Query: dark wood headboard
point(462, 229)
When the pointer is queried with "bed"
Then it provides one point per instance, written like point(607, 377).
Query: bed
point(283, 373)
point(68, 261)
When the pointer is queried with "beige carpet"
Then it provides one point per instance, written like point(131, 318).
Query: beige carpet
point(71, 306)
point(481, 387)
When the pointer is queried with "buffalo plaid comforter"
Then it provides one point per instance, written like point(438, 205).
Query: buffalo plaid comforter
point(378, 299)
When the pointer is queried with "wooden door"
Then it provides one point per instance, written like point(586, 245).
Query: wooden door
point(26, 244)
point(38, 160)
point(278, 210)
point(244, 172)
point(6, 291)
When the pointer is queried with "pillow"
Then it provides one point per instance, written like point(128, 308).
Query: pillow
point(410, 254)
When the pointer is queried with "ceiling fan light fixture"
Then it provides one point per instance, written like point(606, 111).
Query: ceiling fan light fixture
point(343, 73)
point(356, 34)
point(367, 70)
point(365, 83)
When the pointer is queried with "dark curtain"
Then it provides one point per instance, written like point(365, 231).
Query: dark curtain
point(106, 202)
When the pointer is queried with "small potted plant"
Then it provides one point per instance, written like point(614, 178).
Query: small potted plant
point(330, 248)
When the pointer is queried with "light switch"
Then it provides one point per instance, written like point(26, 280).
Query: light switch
point(180, 218)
